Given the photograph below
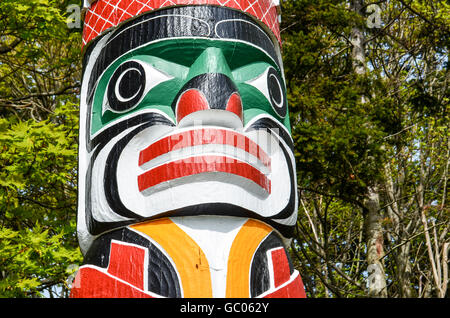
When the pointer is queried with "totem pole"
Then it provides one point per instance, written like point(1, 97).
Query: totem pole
point(187, 182)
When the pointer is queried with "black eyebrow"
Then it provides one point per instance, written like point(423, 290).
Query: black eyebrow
point(178, 22)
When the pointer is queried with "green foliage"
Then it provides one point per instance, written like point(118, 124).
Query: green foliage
point(386, 129)
point(336, 134)
point(38, 202)
point(39, 68)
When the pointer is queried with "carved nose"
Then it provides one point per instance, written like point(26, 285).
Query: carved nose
point(207, 97)
point(210, 95)
point(193, 100)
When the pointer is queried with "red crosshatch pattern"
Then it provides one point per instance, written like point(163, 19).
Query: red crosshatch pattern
point(104, 14)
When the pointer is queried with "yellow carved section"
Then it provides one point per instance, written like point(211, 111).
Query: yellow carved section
point(242, 250)
point(188, 257)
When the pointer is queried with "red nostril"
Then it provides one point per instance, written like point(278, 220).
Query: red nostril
point(234, 105)
point(190, 101)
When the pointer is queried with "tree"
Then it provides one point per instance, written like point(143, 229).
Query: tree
point(40, 69)
point(359, 107)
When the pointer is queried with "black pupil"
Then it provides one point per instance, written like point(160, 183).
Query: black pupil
point(126, 87)
point(130, 84)
point(275, 92)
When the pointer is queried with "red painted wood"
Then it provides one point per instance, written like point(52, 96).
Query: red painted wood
point(104, 14)
point(127, 263)
point(234, 105)
point(281, 272)
point(294, 289)
point(203, 136)
point(191, 101)
point(92, 282)
point(195, 165)
point(124, 277)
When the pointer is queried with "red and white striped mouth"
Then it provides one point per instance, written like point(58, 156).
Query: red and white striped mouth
point(205, 150)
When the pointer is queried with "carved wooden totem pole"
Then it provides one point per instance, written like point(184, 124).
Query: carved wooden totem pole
point(187, 182)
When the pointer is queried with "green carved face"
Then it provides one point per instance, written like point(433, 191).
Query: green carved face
point(142, 154)
point(153, 75)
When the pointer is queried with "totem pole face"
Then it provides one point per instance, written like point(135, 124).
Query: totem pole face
point(184, 113)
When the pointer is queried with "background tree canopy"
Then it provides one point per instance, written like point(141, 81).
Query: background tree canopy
point(368, 89)
point(40, 65)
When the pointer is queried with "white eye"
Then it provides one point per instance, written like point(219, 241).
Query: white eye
point(129, 84)
point(270, 85)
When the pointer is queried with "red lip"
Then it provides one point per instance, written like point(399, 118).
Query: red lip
point(203, 163)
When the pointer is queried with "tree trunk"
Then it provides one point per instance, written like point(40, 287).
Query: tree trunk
point(402, 258)
point(375, 251)
point(373, 228)
point(404, 270)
